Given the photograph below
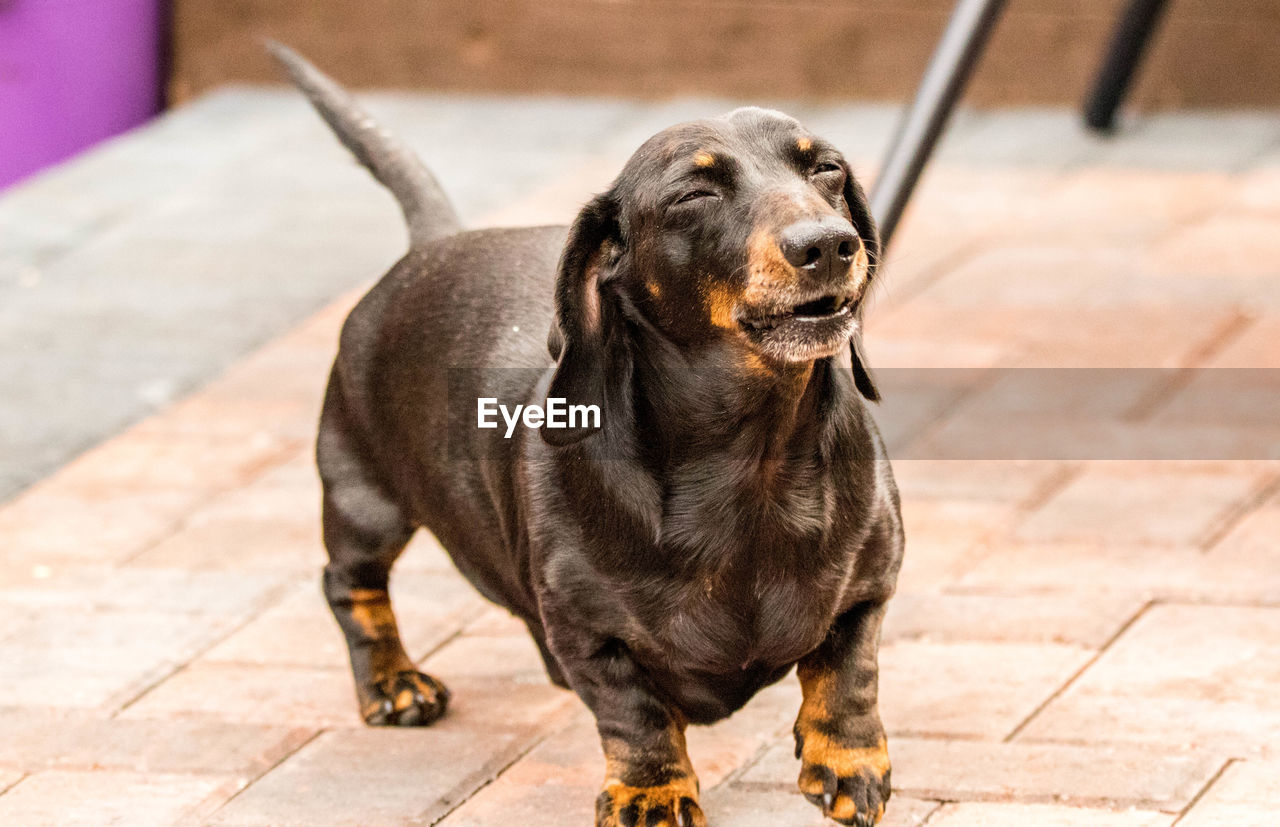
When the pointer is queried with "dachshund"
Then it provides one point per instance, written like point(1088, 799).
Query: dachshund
point(728, 512)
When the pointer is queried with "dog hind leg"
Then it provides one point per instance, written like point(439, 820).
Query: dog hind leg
point(365, 530)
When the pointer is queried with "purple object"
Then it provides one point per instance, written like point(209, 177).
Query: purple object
point(73, 72)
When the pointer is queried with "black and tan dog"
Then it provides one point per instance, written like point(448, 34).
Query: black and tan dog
point(733, 516)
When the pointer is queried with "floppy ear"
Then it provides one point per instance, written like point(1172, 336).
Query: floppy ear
point(860, 214)
point(577, 337)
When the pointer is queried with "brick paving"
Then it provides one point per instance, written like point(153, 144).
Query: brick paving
point(1075, 641)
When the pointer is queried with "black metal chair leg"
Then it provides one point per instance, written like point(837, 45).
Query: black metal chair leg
point(944, 81)
point(1128, 44)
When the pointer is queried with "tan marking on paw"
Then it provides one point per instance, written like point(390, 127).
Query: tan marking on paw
point(371, 610)
point(676, 801)
point(842, 760)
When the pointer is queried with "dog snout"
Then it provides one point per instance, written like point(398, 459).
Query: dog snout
point(824, 248)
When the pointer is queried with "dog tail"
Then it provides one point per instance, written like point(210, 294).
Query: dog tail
point(427, 210)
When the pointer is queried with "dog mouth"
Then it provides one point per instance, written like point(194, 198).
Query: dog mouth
point(816, 311)
point(810, 329)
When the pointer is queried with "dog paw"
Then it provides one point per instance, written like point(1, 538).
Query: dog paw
point(671, 805)
point(849, 784)
point(404, 699)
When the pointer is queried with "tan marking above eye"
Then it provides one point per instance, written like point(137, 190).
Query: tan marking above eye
point(704, 159)
point(804, 144)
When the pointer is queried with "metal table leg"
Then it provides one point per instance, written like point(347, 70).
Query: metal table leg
point(1130, 40)
point(944, 81)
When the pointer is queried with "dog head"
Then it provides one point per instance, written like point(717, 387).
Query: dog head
point(745, 231)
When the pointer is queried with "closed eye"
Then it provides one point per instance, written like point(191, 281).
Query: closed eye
point(695, 195)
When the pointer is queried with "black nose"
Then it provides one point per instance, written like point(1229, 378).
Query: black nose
point(819, 246)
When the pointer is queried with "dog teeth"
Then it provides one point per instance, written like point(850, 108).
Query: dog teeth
point(773, 321)
point(843, 311)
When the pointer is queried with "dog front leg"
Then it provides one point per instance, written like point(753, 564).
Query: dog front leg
point(649, 779)
point(839, 738)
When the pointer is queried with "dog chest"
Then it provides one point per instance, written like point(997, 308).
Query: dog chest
point(718, 627)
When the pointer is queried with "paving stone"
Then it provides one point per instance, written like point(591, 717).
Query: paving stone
point(980, 201)
point(944, 539)
point(974, 690)
point(424, 553)
point(259, 526)
point(1259, 190)
point(968, 435)
point(234, 406)
point(200, 463)
point(1133, 206)
point(484, 697)
point(893, 357)
point(1245, 796)
point(1104, 777)
point(999, 480)
point(735, 807)
point(723, 748)
point(36, 739)
point(403, 775)
point(1067, 273)
point(555, 783)
point(300, 631)
point(925, 247)
point(503, 704)
point(78, 658)
point(254, 694)
point(1252, 541)
point(1120, 503)
point(106, 797)
point(1244, 399)
point(71, 676)
point(1042, 815)
point(1114, 335)
point(1047, 394)
point(1224, 245)
point(1258, 346)
point(1181, 675)
point(963, 770)
point(8, 778)
point(489, 656)
point(495, 621)
point(1087, 620)
point(915, 400)
point(230, 594)
point(50, 525)
point(1239, 571)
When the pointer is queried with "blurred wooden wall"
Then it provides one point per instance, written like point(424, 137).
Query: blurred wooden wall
point(1209, 52)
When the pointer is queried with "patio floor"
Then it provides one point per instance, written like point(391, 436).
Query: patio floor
point(1074, 641)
